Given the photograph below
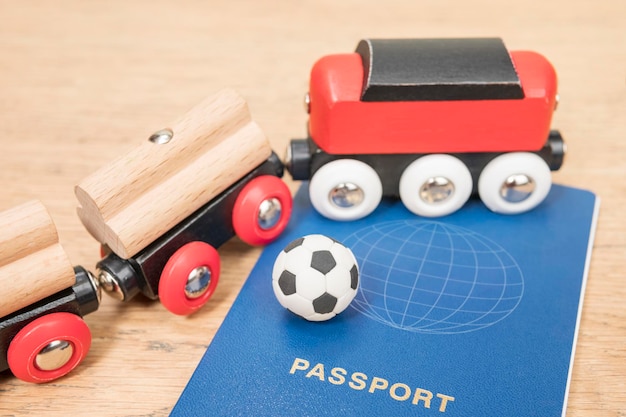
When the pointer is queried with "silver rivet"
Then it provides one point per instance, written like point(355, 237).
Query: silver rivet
point(162, 136)
point(346, 195)
point(436, 189)
point(110, 285)
point(54, 355)
point(269, 214)
point(197, 282)
point(517, 188)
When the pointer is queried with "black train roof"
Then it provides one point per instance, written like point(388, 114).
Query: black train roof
point(437, 69)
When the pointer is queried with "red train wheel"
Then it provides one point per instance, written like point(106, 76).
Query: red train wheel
point(262, 210)
point(189, 278)
point(49, 347)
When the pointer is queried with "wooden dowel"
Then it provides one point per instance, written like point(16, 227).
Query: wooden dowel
point(25, 229)
point(33, 265)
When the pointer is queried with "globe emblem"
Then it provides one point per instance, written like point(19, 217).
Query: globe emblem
point(430, 277)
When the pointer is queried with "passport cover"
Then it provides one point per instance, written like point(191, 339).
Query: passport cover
point(472, 314)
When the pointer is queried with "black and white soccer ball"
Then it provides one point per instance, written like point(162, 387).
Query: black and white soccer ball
point(315, 277)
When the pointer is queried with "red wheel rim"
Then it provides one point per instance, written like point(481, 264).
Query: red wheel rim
point(246, 209)
point(176, 273)
point(40, 333)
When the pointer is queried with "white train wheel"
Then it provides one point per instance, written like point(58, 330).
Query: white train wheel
point(345, 189)
point(514, 182)
point(435, 185)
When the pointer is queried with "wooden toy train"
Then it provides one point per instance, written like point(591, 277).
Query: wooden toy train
point(42, 334)
point(161, 211)
point(430, 121)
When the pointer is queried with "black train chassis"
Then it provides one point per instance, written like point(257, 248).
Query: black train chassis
point(305, 158)
point(212, 224)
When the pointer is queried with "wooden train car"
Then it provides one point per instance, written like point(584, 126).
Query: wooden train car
point(43, 298)
point(431, 121)
point(162, 210)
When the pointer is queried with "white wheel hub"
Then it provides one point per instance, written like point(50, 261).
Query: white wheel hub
point(345, 189)
point(514, 182)
point(435, 185)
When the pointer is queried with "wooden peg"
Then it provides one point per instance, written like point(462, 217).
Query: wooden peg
point(140, 196)
point(33, 265)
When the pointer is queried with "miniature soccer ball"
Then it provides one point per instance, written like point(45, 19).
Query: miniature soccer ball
point(315, 277)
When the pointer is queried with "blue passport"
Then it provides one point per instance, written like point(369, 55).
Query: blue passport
point(473, 314)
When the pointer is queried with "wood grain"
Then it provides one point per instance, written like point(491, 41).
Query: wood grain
point(82, 82)
point(33, 265)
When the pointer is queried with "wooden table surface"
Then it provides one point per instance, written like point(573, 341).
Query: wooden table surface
point(83, 82)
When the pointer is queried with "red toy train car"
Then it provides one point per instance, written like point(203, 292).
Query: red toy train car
point(431, 121)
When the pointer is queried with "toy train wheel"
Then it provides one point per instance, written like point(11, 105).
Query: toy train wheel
point(189, 278)
point(345, 189)
point(49, 347)
point(262, 210)
point(514, 183)
point(435, 185)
